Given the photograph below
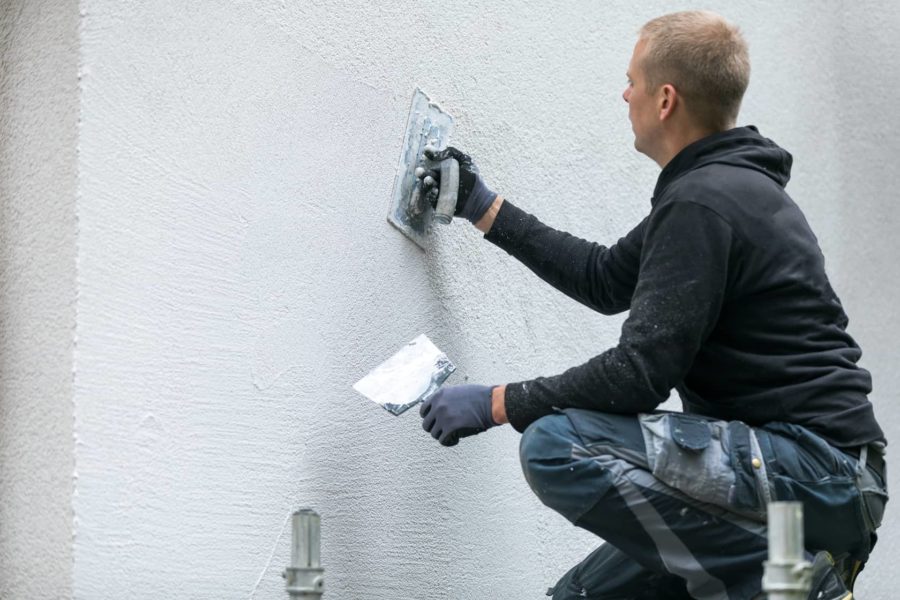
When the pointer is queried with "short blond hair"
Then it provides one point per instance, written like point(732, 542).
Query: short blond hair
point(705, 58)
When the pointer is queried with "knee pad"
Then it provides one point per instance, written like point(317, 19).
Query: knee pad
point(545, 450)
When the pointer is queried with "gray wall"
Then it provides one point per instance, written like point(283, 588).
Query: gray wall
point(236, 273)
point(860, 228)
point(38, 137)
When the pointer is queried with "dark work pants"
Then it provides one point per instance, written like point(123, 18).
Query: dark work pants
point(680, 499)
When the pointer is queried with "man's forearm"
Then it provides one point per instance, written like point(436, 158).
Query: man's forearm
point(487, 221)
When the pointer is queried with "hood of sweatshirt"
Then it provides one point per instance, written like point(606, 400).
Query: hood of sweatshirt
point(739, 147)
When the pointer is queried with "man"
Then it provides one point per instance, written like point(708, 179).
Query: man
point(730, 305)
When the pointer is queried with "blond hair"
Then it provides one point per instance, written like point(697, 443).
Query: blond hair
point(705, 58)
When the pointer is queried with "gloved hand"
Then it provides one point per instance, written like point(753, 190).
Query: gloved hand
point(457, 412)
point(473, 198)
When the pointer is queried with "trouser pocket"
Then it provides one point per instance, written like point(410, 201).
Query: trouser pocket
point(874, 497)
point(873, 508)
point(831, 508)
point(712, 461)
point(805, 468)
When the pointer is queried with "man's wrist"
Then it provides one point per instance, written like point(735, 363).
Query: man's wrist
point(485, 223)
point(498, 405)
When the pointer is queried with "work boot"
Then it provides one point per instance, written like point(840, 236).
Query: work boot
point(826, 582)
point(848, 568)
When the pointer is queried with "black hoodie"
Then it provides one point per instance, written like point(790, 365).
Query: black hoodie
point(729, 301)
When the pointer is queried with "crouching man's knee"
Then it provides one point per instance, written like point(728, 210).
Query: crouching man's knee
point(550, 466)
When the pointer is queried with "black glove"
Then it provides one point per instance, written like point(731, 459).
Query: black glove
point(473, 198)
point(457, 412)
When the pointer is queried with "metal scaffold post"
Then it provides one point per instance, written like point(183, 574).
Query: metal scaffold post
point(305, 575)
point(787, 573)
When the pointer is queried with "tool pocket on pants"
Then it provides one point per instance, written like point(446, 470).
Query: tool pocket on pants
point(874, 497)
point(804, 468)
point(706, 459)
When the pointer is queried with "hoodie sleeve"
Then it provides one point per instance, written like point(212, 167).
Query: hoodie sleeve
point(601, 278)
point(679, 293)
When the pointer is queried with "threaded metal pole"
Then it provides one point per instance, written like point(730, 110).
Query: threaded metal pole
point(305, 575)
point(787, 573)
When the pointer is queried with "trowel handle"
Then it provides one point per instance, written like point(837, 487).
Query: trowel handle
point(446, 202)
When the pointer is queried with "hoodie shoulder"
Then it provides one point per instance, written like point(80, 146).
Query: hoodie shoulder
point(722, 186)
point(741, 148)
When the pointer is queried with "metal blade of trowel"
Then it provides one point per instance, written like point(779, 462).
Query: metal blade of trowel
point(408, 377)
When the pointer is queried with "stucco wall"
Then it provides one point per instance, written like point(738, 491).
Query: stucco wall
point(236, 273)
point(38, 133)
point(862, 220)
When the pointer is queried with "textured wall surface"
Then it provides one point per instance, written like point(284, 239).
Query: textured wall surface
point(236, 273)
point(858, 216)
point(38, 134)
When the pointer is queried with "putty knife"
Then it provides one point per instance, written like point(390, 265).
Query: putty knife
point(410, 376)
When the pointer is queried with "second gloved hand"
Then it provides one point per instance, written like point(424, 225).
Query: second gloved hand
point(457, 412)
point(473, 198)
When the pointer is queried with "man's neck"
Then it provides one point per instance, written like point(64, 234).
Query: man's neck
point(677, 141)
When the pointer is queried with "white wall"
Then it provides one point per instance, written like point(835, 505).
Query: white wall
point(861, 221)
point(38, 136)
point(236, 273)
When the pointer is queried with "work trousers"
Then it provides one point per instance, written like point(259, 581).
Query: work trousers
point(680, 499)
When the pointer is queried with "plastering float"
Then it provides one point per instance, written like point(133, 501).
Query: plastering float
point(411, 210)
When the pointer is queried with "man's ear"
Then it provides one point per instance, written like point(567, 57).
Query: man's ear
point(667, 100)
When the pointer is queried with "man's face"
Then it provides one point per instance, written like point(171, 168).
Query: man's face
point(642, 110)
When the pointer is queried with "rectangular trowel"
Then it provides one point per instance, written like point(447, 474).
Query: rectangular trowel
point(412, 211)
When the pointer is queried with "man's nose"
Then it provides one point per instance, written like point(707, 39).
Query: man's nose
point(625, 94)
